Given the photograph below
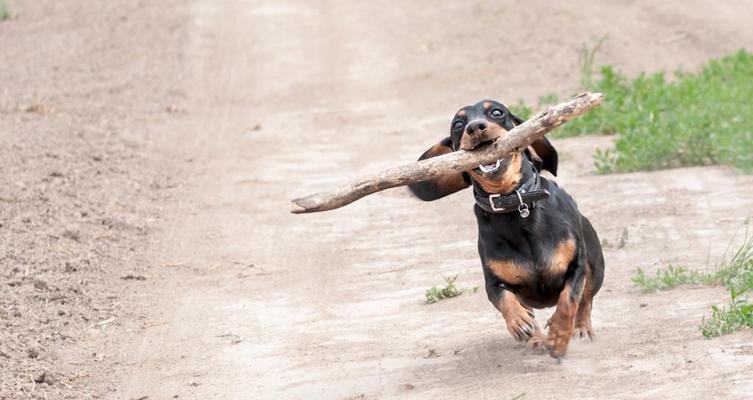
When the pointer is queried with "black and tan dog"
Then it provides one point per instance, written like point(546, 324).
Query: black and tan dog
point(536, 249)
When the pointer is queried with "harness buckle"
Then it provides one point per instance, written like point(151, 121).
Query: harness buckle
point(491, 202)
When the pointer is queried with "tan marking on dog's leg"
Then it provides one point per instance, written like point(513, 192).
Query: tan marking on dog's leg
point(562, 322)
point(583, 327)
point(519, 320)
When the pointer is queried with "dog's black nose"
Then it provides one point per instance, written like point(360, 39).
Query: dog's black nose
point(476, 127)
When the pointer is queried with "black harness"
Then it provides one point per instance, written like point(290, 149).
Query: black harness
point(521, 199)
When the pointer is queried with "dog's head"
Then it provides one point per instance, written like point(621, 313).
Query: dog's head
point(478, 125)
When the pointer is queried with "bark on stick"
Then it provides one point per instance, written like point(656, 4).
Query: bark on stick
point(515, 141)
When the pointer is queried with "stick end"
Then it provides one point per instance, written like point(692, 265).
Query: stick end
point(596, 98)
point(296, 207)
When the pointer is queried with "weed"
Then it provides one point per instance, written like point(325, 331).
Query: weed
point(737, 315)
point(4, 12)
point(520, 109)
point(435, 294)
point(586, 62)
point(548, 99)
point(735, 273)
point(670, 278)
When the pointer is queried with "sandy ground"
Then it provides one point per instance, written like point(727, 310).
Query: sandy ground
point(149, 151)
point(85, 88)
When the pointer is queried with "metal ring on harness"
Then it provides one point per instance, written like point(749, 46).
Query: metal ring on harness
point(523, 207)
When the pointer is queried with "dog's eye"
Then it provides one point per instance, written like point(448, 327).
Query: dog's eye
point(457, 124)
point(496, 113)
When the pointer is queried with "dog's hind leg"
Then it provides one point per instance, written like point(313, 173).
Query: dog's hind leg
point(583, 327)
point(562, 322)
point(593, 281)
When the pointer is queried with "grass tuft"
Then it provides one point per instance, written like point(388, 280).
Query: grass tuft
point(735, 273)
point(435, 294)
point(670, 278)
point(586, 61)
point(735, 316)
point(4, 12)
point(520, 109)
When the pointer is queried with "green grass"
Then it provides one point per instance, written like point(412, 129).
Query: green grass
point(696, 119)
point(521, 110)
point(4, 12)
point(735, 316)
point(435, 294)
point(586, 60)
point(737, 276)
point(670, 278)
point(735, 273)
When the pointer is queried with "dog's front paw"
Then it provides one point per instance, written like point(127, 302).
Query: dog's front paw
point(522, 326)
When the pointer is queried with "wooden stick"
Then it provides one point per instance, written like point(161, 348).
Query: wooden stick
point(458, 161)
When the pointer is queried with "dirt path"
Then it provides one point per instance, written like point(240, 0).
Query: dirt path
point(331, 305)
point(245, 300)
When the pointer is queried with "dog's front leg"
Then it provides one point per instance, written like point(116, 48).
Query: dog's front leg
point(519, 319)
point(562, 322)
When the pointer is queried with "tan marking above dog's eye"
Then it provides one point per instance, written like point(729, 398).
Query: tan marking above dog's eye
point(487, 105)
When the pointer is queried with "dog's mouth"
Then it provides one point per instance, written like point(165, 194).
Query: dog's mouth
point(489, 168)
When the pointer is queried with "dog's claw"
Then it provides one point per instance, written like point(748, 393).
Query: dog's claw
point(583, 333)
point(521, 323)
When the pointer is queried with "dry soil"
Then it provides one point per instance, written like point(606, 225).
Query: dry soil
point(148, 151)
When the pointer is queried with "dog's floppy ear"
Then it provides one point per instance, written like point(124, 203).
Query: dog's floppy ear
point(546, 155)
point(441, 186)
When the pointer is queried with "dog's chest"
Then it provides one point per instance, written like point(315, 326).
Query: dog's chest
point(536, 265)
